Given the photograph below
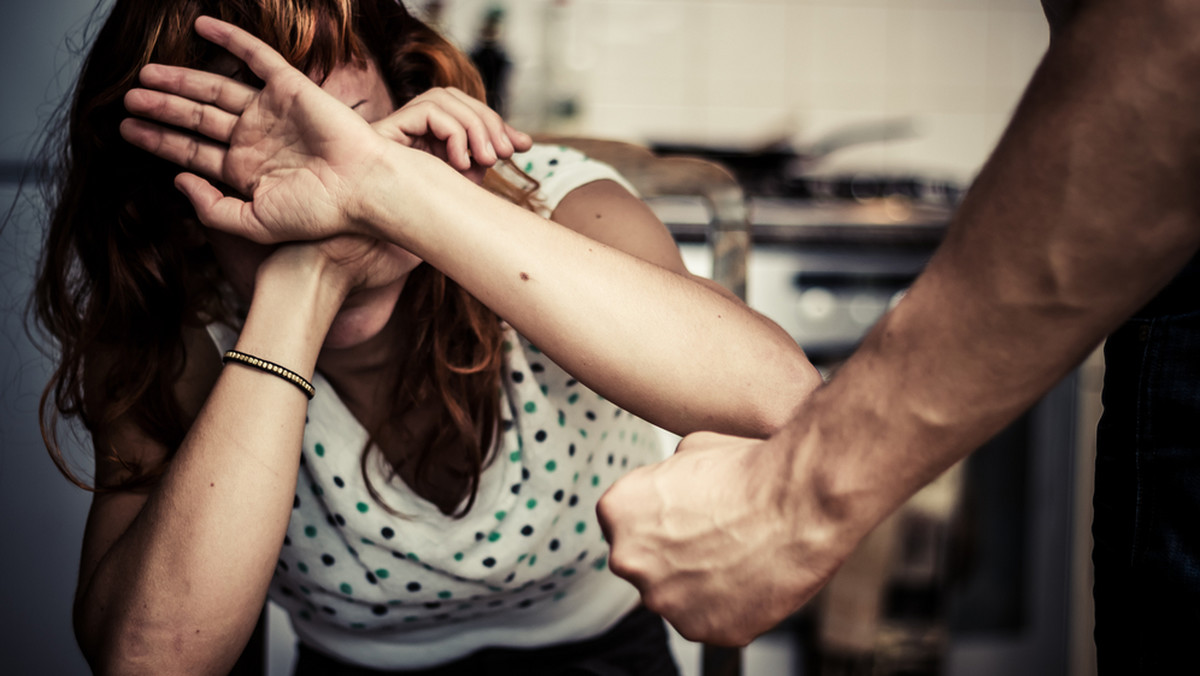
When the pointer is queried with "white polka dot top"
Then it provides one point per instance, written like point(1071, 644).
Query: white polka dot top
point(527, 566)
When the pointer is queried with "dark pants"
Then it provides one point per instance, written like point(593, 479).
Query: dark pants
point(636, 646)
point(1147, 500)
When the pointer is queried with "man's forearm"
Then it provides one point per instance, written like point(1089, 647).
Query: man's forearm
point(1087, 207)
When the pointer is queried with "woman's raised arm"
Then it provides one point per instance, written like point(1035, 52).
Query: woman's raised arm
point(651, 338)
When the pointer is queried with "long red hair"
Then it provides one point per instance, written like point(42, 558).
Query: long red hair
point(126, 266)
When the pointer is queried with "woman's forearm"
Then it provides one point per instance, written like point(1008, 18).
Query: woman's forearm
point(180, 589)
point(659, 343)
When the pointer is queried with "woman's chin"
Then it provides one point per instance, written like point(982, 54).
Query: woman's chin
point(359, 322)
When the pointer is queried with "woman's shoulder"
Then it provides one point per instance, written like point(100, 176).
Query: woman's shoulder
point(560, 169)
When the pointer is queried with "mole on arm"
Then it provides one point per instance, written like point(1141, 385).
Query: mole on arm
point(524, 277)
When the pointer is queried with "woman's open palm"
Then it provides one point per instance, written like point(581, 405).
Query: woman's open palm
point(295, 151)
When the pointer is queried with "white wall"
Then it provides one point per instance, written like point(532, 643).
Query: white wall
point(747, 72)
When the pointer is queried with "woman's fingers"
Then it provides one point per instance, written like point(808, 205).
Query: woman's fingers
point(198, 85)
point(181, 112)
point(199, 155)
point(222, 212)
point(264, 61)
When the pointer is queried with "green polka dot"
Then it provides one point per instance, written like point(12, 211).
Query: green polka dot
point(595, 479)
point(302, 567)
point(306, 590)
point(493, 536)
point(411, 618)
point(528, 167)
point(562, 419)
point(600, 563)
point(558, 596)
point(573, 398)
point(382, 573)
point(635, 437)
point(530, 407)
point(603, 435)
point(575, 478)
point(357, 625)
point(532, 560)
point(500, 515)
point(545, 390)
point(580, 527)
point(507, 346)
point(551, 466)
point(534, 349)
point(621, 435)
point(531, 503)
point(522, 558)
point(444, 595)
point(319, 449)
point(492, 587)
point(515, 456)
point(367, 542)
point(346, 589)
point(317, 490)
point(362, 507)
point(413, 557)
point(568, 572)
point(304, 615)
point(310, 531)
point(458, 556)
point(583, 432)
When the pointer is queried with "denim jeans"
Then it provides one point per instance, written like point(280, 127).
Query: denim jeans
point(1147, 498)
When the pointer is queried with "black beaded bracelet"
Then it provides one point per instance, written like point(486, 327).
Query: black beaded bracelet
point(272, 368)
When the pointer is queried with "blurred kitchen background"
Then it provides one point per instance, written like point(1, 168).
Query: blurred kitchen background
point(853, 126)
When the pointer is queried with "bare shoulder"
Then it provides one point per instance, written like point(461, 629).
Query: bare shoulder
point(120, 442)
point(605, 211)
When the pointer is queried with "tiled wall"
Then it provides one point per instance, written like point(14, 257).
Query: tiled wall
point(749, 72)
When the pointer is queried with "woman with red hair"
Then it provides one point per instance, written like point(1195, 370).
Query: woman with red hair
point(325, 366)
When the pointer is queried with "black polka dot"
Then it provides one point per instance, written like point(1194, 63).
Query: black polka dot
point(540, 435)
point(553, 161)
point(283, 565)
point(536, 367)
point(548, 586)
point(341, 520)
point(554, 545)
point(573, 501)
point(558, 495)
point(527, 530)
point(611, 458)
point(327, 559)
point(624, 461)
point(516, 489)
point(397, 555)
point(414, 586)
point(287, 541)
point(328, 611)
point(329, 520)
point(479, 536)
point(303, 461)
point(353, 551)
point(616, 413)
point(582, 555)
point(379, 609)
point(572, 382)
point(296, 502)
point(337, 480)
point(590, 415)
point(510, 577)
point(433, 605)
point(571, 450)
point(371, 577)
point(495, 604)
point(525, 604)
point(507, 424)
point(441, 617)
point(286, 591)
point(489, 562)
point(525, 474)
point(517, 376)
point(387, 533)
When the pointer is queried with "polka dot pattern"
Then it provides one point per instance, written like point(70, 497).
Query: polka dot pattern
point(530, 540)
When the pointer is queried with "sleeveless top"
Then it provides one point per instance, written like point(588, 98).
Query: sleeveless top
point(527, 566)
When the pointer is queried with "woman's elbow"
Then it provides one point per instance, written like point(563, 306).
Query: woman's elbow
point(775, 402)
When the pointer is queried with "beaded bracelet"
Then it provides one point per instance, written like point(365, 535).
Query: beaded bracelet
point(272, 368)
